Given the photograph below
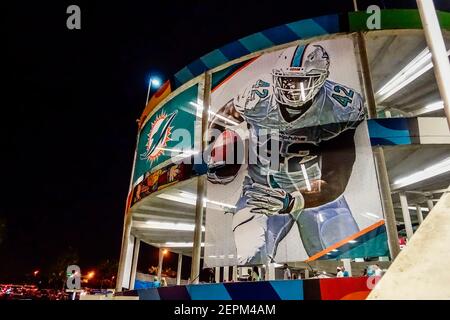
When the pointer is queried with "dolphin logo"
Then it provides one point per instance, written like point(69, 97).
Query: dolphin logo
point(158, 136)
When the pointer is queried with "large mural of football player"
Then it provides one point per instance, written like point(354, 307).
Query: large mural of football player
point(316, 120)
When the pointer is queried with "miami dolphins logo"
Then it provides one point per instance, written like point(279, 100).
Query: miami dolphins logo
point(158, 136)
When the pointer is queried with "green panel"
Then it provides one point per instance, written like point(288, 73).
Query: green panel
point(374, 247)
point(178, 113)
point(395, 19)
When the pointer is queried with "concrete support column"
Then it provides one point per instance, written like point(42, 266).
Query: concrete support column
point(348, 266)
point(406, 215)
point(126, 255)
point(430, 204)
point(160, 263)
point(226, 272)
point(270, 271)
point(380, 163)
point(419, 213)
point(137, 244)
point(235, 273)
point(436, 43)
point(204, 93)
point(180, 264)
point(217, 274)
point(306, 273)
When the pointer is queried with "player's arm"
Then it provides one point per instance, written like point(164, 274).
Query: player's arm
point(228, 111)
point(338, 157)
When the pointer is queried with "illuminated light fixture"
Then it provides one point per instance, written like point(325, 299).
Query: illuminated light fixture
point(180, 244)
point(413, 70)
point(190, 198)
point(302, 92)
point(171, 226)
point(421, 208)
point(352, 241)
point(200, 108)
point(438, 105)
point(435, 106)
point(334, 250)
point(305, 174)
point(427, 173)
point(156, 82)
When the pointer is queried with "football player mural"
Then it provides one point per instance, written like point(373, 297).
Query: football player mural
point(305, 122)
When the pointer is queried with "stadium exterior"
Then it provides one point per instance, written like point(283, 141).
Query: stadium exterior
point(365, 172)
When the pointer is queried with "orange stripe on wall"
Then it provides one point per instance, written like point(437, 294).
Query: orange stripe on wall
point(344, 241)
point(234, 73)
point(163, 92)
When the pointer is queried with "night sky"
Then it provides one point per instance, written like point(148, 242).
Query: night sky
point(72, 98)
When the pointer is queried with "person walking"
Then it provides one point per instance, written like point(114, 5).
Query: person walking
point(287, 272)
point(255, 274)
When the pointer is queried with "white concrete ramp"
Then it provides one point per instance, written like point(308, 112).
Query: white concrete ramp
point(422, 269)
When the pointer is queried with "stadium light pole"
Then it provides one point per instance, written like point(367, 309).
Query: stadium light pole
point(153, 81)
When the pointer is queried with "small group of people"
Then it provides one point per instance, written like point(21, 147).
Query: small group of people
point(341, 272)
point(372, 271)
point(157, 283)
point(287, 275)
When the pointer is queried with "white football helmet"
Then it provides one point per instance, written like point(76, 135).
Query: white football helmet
point(299, 74)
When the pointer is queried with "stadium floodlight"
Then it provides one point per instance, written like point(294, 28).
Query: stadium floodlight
point(156, 82)
point(152, 82)
point(413, 70)
point(427, 173)
point(171, 226)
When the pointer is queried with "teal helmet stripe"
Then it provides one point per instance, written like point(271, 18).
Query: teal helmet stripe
point(298, 56)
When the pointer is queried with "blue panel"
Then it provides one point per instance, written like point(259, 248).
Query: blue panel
point(214, 291)
point(306, 28)
point(183, 76)
point(389, 131)
point(280, 35)
point(197, 67)
point(260, 290)
point(256, 42)
point(174, 293)
point(214, 58)
point(138, 284)
point(329, 23)
point(234, 50)
point(149, 294)
point(288, 290)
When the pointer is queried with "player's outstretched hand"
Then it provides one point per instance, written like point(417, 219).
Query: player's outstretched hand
point(267, 200)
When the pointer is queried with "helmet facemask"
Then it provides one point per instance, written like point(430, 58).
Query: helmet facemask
point(294, 89)
point(294, 86)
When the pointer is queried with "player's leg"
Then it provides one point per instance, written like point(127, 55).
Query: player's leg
point(325, 225)
point(278, 226)
point(249, 231)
